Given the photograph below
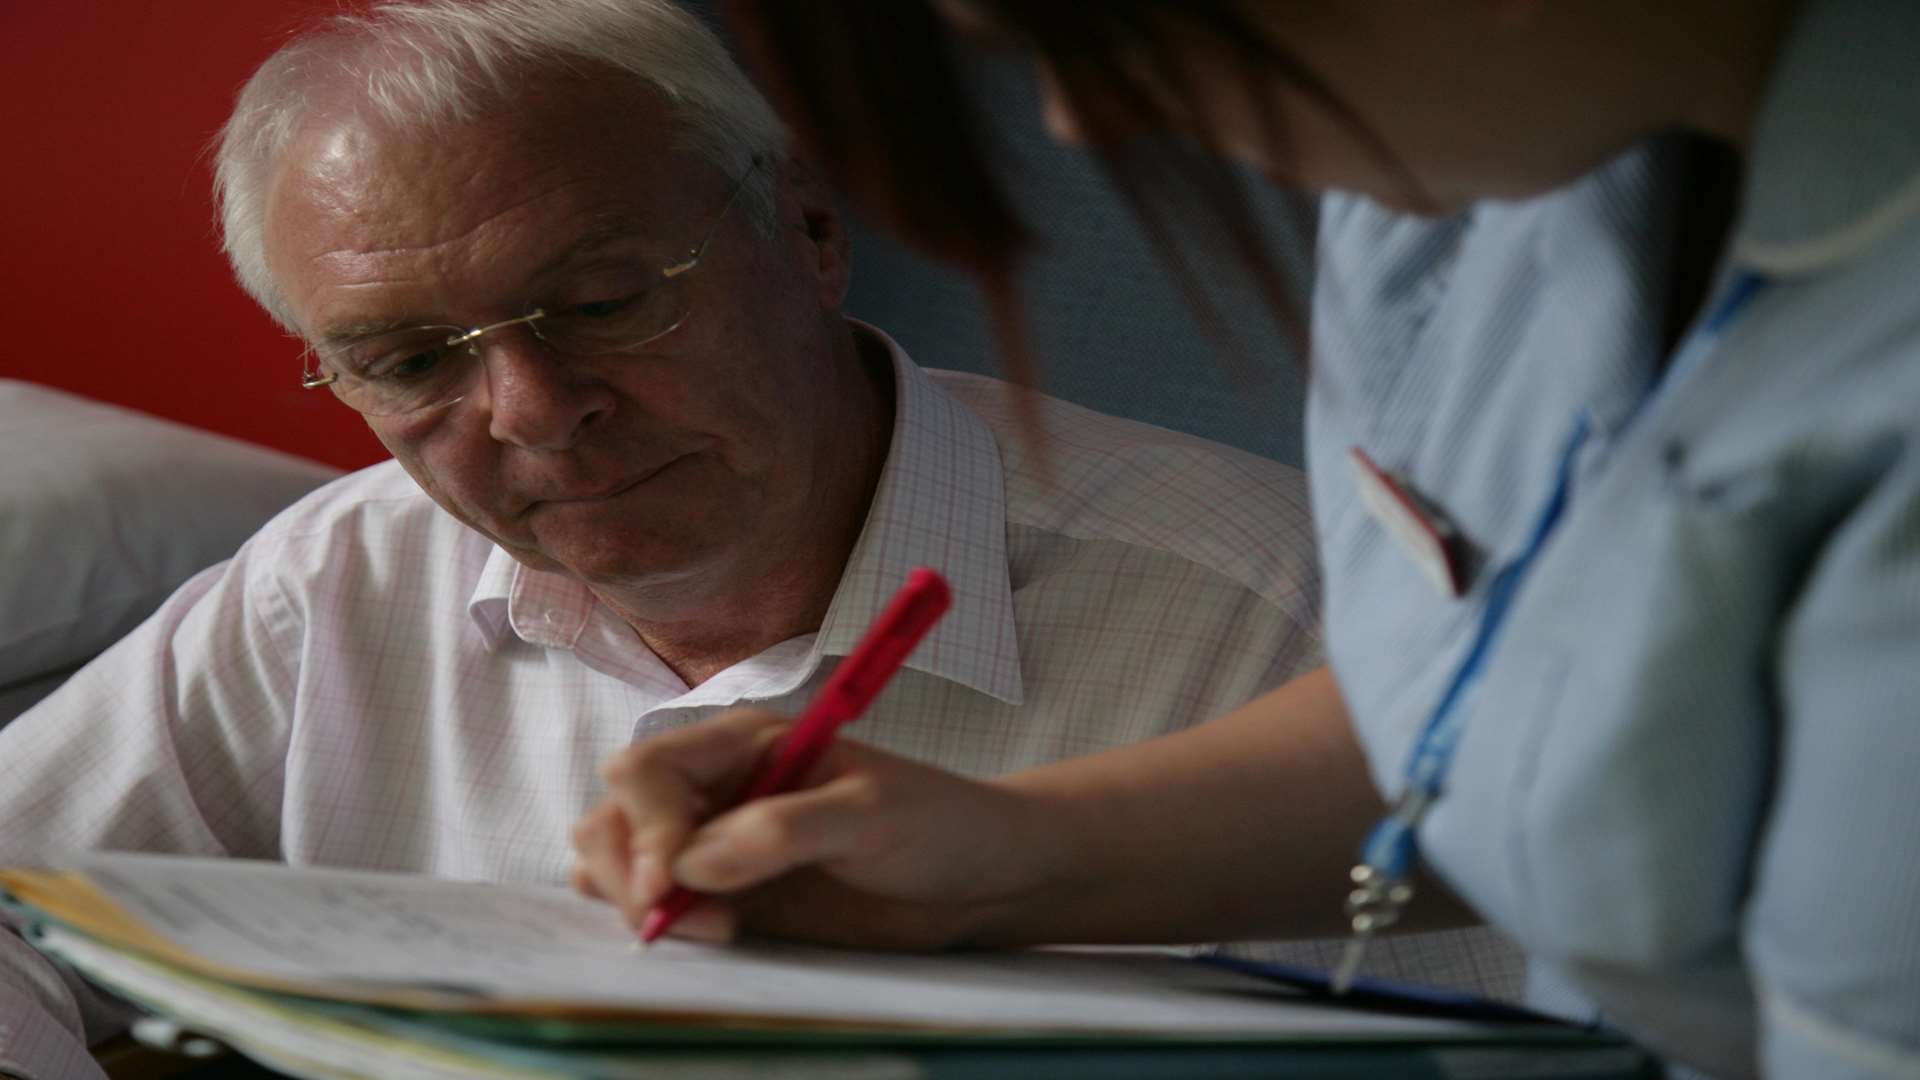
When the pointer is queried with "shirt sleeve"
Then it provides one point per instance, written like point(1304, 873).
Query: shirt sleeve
point(173, 740)
point(47, 1018)
point(1830, 930)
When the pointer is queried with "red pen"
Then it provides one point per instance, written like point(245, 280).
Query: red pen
point(849, 690)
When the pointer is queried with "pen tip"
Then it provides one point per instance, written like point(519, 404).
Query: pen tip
point(656, 924)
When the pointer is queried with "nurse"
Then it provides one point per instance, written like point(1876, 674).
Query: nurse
point(1614, 434)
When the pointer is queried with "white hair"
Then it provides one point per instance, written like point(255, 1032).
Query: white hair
point(428, 62)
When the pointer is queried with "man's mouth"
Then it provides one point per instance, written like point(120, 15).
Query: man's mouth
point(610, 491)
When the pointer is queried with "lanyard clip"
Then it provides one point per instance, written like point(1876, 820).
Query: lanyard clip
point(1381, 886)
point(1371, 907)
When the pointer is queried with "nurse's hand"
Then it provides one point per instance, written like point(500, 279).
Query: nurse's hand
point(870, 849)
point(1242, 827)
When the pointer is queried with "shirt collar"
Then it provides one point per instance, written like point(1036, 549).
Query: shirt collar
point(1834, 165)
point(540, 608)
point(940, 502)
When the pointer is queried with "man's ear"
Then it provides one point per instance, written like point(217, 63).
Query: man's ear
point(807, 205)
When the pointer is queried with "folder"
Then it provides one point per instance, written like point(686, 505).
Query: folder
point(323, 971)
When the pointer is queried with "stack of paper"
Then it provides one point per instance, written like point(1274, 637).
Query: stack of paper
point(341, 973)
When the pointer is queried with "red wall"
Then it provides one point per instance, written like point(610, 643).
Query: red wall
point(113, 284)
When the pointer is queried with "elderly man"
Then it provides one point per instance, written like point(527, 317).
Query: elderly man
point(560, 257)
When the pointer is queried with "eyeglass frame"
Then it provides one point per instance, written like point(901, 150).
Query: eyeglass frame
point(318, 376)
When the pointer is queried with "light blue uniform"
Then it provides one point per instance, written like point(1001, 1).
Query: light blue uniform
point(1689, 781)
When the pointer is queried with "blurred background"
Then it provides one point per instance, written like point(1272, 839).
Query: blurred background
point(115, 287)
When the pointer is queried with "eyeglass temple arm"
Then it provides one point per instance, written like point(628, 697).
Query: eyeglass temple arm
point(693, 257)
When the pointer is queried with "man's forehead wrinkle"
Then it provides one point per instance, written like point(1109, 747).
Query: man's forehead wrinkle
point(384, 180)
point(347, 333)
point(384, 228)
point(408, 218)
point(352, 326)
point(600, 232)
point(376, 272)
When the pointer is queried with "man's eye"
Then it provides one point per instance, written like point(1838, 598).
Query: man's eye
point(405, 367)
point(610, 308)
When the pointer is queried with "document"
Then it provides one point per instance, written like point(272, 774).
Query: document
point(339, 973)
point(520, 949)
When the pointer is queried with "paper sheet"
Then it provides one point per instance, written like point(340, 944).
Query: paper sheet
point(303, 1042)
point(350, 932)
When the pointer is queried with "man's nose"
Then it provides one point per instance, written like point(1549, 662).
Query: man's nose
point(536, 398)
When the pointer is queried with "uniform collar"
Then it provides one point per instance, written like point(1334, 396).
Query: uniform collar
point(940, 502)
point(1834, 164)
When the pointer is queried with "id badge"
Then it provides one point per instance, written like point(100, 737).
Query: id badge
point(1421, 532)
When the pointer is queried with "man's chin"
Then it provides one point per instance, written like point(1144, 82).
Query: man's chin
point(616, 558)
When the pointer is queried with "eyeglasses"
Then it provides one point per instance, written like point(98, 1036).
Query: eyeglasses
point(427, 367)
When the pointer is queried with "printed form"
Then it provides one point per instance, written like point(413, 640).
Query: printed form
point(364, 936)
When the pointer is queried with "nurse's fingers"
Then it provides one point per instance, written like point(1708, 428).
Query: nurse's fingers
point(600, 854)
point(658, 792)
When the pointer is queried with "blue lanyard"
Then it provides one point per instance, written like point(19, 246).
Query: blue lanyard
point(1391, 850)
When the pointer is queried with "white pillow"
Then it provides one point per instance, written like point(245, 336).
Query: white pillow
point(104, 511)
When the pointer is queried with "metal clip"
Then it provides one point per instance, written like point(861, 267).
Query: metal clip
point(1373, 906)
point(1381, 886)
